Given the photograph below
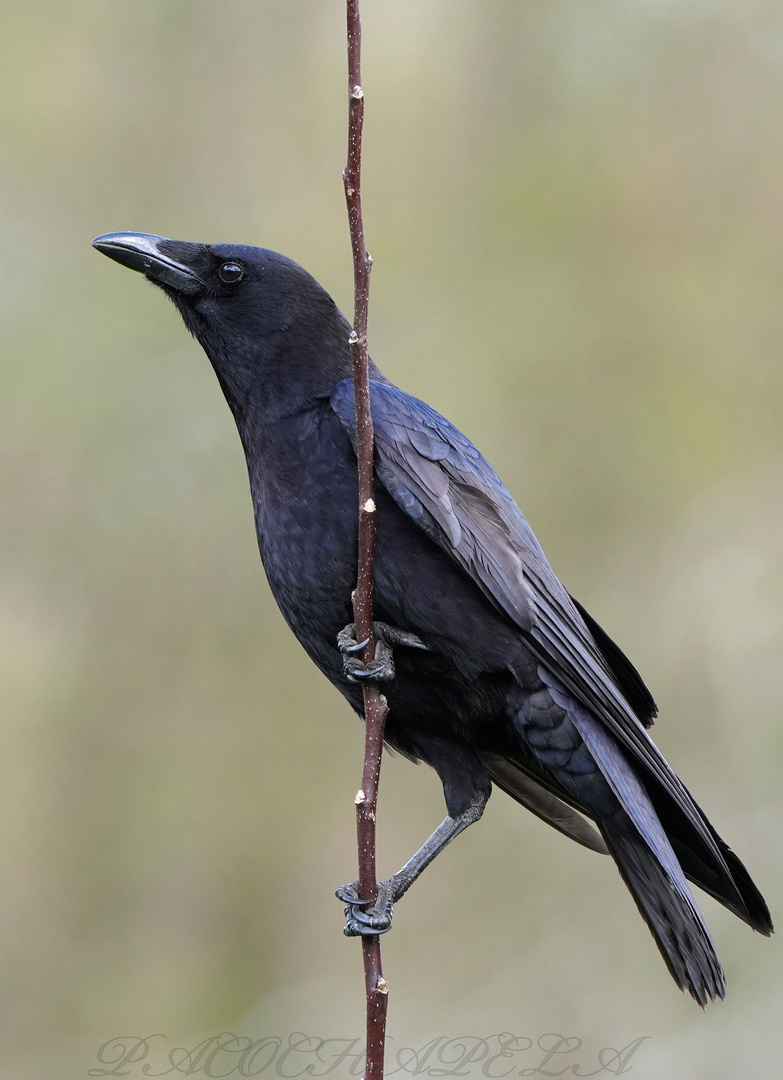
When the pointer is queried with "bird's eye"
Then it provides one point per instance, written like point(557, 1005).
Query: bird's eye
point(231, 272)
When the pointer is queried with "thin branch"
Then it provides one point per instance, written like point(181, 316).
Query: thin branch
point(374, 704)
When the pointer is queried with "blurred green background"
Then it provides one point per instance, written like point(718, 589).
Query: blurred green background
point(576, 215)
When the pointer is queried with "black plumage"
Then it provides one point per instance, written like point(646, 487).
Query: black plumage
point(499, 675)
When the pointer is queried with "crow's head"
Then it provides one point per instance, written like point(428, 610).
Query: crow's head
point(274, 336)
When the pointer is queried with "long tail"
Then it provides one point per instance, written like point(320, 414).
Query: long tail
point(667, 906)
point(655, 839)
point(644, 855)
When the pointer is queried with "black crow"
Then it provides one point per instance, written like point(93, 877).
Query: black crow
point(492, 671)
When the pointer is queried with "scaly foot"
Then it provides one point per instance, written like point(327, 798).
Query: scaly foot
point(381, 668)
point(362, 920)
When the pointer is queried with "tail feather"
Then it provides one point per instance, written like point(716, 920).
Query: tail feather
point(671, 914)
point(655, 839)
point(755, 913)
point(727, 881)
point(644, 855)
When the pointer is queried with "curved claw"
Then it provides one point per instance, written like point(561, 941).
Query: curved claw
point(380, 670)
point(347, 643)
point(348, 895)
point(361, 923)
point(370, 918)
point(376, 919)
point(366, 931)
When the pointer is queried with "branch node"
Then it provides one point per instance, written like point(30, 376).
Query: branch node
point(382, 986)
point(357, 93)
point(353, 338)
point(369, 507)
point(360, 797)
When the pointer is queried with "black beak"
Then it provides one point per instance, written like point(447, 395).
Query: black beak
point(152, 256)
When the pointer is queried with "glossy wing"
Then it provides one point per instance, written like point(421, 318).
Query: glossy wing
point(443, 483)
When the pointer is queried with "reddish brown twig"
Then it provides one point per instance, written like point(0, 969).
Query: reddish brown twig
point(374, 704)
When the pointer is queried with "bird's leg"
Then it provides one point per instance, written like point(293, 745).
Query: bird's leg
point(381, 669)
point(361, 919)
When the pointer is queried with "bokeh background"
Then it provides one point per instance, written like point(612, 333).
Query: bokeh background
point(576, 215)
